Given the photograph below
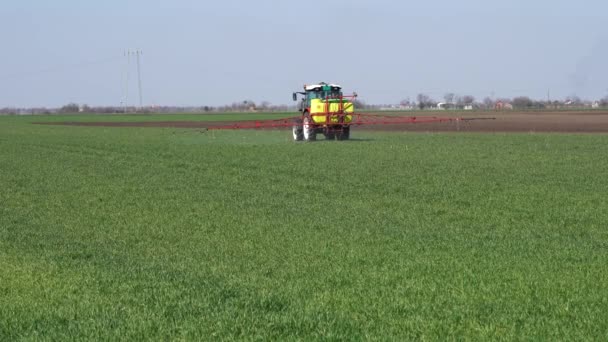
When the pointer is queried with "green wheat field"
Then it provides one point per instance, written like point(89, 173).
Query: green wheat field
point(176, 234)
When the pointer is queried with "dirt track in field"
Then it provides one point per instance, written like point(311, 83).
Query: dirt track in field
point(557, 122)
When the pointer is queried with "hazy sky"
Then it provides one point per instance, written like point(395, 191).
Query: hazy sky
point(217, 52)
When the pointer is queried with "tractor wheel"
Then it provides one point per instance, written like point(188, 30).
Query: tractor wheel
point(344, 133)
point(297, 130)
point(308, 129)
point(330, 134)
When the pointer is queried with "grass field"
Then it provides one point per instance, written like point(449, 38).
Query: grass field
point(140, 233)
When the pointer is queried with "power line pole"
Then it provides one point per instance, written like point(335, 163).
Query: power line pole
point(128, 55)
point(137, 54)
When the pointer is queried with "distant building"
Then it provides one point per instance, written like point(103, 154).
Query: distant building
point(407, 107)
point(503, 106)
point(446, 105)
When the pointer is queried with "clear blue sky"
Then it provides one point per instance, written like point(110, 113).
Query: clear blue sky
point(218, 52)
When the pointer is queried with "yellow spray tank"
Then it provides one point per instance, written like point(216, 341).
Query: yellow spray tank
point(326, 110)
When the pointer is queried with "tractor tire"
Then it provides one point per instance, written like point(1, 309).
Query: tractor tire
point(308, 129)
point(330, 134)
point(297, 130)
point(344, 133)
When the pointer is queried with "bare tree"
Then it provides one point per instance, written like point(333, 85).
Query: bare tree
point(359, 104)
point(459, 102)
point(488, 103)
point(70, 108)
point(468, 100)
point(449, 98)
point(522, 102)
point(423, 101)
point(7, 111)
point(247, 105)
point(265, 105)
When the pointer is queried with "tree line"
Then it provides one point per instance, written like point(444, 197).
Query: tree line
point(422, 102)
point(453, 101)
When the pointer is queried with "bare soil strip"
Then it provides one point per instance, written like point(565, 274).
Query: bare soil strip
point(557, 122)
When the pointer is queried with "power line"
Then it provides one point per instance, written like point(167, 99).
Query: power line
point(60, 68)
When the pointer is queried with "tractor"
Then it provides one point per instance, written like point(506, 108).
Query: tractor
point(325, 110)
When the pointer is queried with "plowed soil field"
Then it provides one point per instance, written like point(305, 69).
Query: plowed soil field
point(557, 122)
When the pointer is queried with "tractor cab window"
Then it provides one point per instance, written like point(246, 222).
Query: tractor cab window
point(313, 95)
point(324, 94)
point(332, 94)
